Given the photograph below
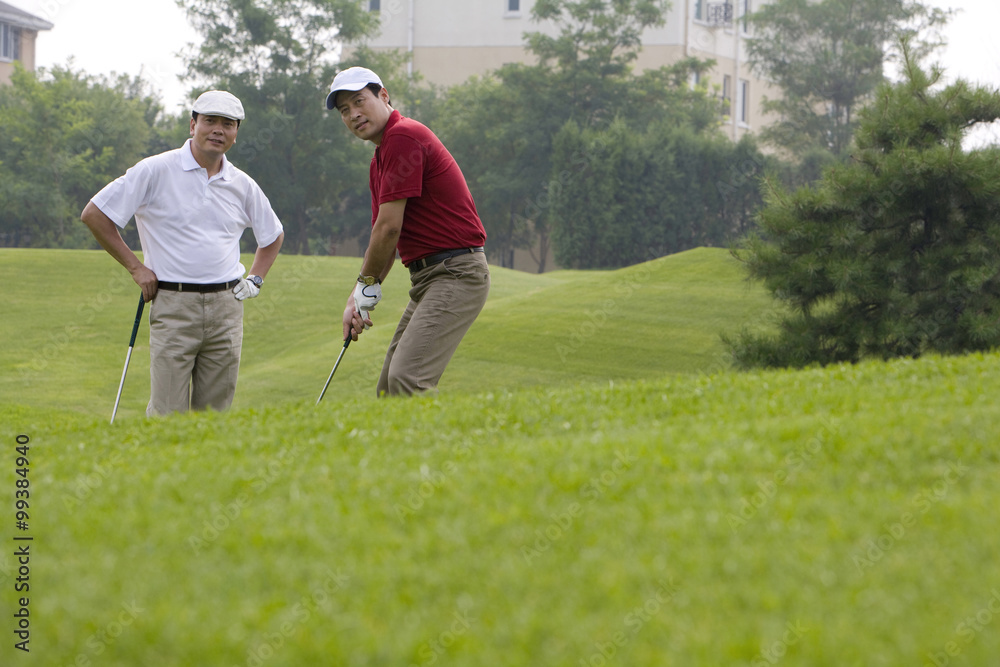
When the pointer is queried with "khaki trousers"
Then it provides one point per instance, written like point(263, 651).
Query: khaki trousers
point(194, 348)
point(445, 300)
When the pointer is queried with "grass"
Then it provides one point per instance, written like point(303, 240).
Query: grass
point(70, 317)
point(655, 515)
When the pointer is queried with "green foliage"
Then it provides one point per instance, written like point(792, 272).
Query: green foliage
point(623, 197)
point(828, 58)
point(896, 253)
point(596, 39)
point(503, 127)
point(65, 136)
point(499, 128)
point(256, 39)
point(278, 56)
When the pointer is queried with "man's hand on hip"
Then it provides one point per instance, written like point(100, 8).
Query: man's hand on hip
point(146, 280)
point(247, 289)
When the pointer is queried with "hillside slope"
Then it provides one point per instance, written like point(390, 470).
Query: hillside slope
point(69, 316)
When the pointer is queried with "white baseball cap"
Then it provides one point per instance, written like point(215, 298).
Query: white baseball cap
point(219, 103)
point(352, 79)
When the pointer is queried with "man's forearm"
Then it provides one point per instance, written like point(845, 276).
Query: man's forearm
point(106, 232)
point(264, 258)
point(385, 234)
point(381, 251)
point(388, 266)
point(378, 274)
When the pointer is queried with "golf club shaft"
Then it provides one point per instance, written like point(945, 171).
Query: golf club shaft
point(128, 355)
point(347, 341)
point(121, 384)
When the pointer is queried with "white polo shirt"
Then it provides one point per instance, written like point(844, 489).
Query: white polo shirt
point(189, 224)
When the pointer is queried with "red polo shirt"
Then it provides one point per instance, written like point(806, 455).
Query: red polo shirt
point(411, 163)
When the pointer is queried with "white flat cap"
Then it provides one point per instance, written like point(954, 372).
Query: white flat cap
point(352, 79)
point(219, 103)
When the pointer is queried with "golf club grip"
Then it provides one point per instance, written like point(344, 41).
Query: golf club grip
point(138, 318)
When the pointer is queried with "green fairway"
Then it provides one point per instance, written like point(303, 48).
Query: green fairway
point(69, 317)
point(623, 500)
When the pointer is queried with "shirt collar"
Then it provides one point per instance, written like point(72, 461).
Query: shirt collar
point(188, 163)
point(394, 118)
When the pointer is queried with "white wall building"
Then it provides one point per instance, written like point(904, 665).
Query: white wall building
point(451, 40)
point(18, 32)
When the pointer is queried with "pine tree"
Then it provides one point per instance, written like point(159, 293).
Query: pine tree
point(894, 253)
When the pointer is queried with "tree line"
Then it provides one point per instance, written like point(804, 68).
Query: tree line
point(577, 152)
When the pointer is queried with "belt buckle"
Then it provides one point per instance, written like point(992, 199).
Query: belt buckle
point(180, 287)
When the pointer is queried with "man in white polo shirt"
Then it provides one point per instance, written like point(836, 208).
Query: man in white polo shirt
point(191, 206)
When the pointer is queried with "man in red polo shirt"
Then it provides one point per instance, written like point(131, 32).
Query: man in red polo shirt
point(422, 208)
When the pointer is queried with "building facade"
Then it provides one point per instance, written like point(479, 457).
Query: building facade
point(451, 40)
point(18, 32)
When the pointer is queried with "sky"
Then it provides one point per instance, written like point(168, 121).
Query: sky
point(145, 36)
point(124, 36)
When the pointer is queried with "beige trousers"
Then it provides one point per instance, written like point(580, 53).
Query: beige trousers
point(445, 300)
point(194, 349)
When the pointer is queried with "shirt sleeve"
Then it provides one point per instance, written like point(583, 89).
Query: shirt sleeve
point(122, 197)
point(402, 170)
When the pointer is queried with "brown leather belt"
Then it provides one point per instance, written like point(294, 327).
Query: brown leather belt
point(438, 257)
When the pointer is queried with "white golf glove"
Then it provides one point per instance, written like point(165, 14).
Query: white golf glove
point(247, 289)
point(366, 297)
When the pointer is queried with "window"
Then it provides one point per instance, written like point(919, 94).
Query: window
point(743, 103)
point(513, 7)
point(745, 11)
point(10, 42)
point(374, 5)
point(727, 92)
point(715, 14)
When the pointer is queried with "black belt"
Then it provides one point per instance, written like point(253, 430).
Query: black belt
point(438, 257)
point(194, 287)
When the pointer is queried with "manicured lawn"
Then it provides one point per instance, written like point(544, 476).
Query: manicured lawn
point(625, 509)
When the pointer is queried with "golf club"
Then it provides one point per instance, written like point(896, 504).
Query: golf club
point(131, 344)
point(347, 341)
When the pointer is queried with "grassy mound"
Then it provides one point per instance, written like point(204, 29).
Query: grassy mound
point(71, 313)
